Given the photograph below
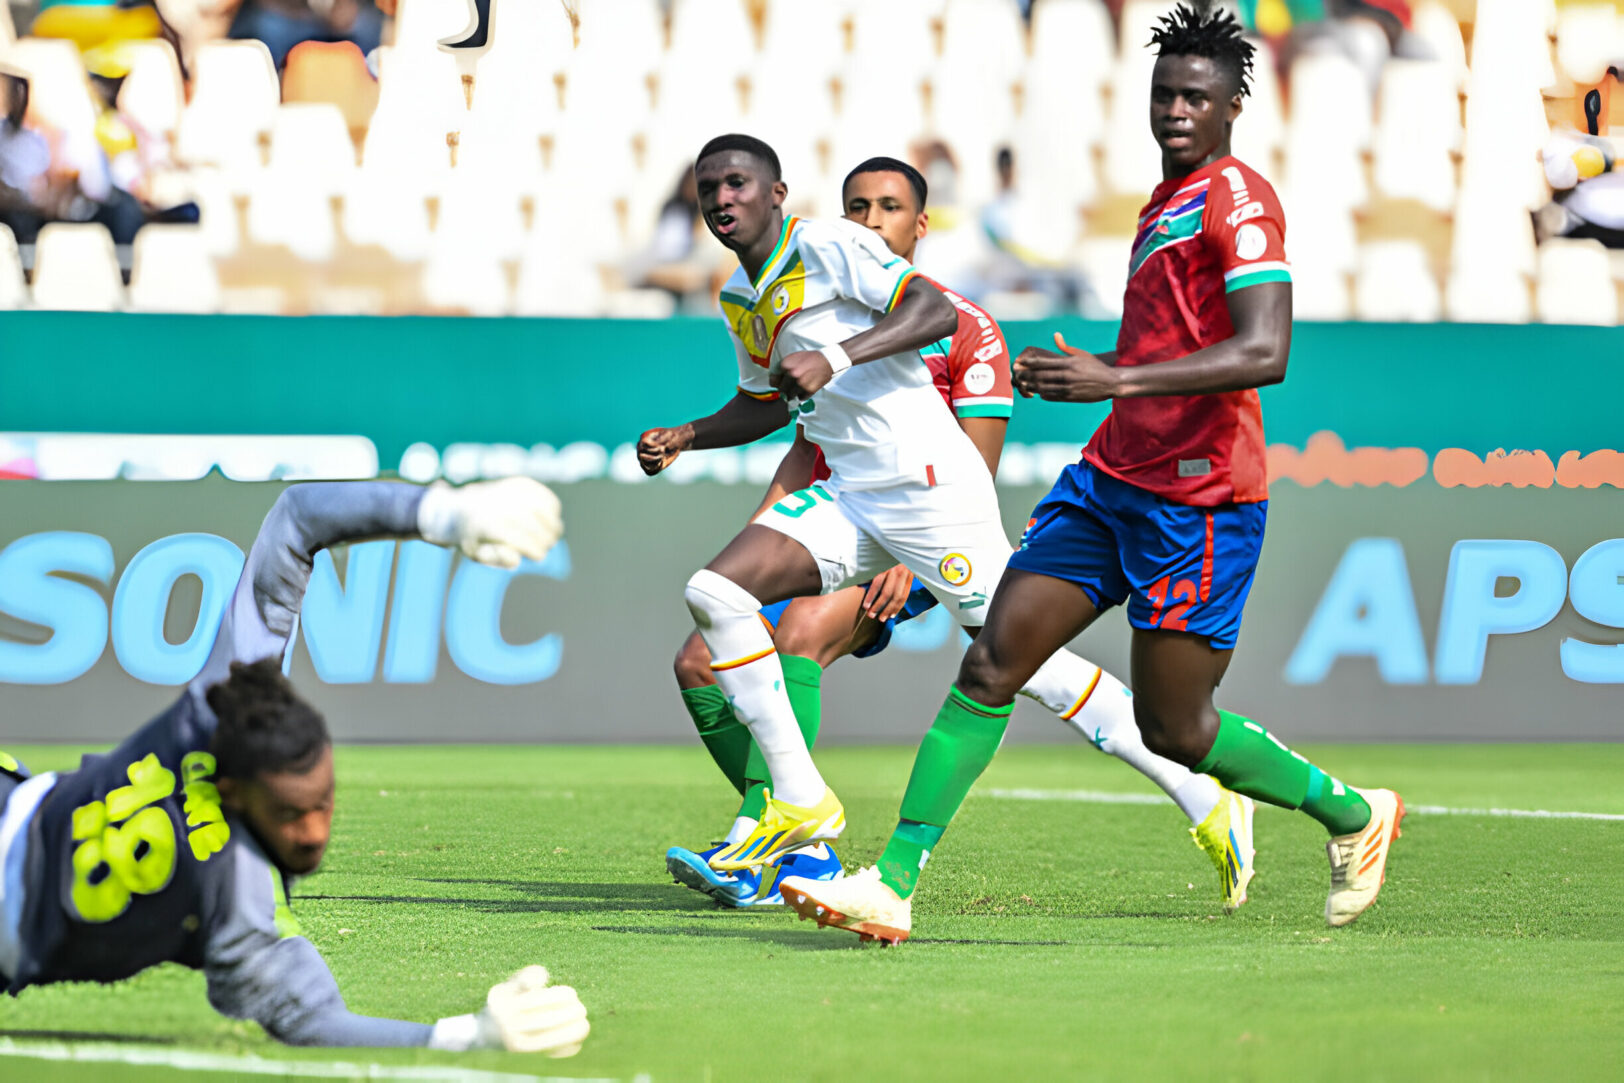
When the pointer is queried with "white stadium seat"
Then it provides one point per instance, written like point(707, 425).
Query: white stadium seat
point(1487, 293)
point(1319, 293)
point(237, 78)
point(1575, 284)
point(1394, 283)
point(152, 95)
point(1261, 129)
point(1589, 38)
point(984, 36)
point(1133, 161)
point(172, 271)
point(1074, 33)
point(466, 278)
point(76, 269)
point(1438, 28)
point(310, 146)
point(13, 290)
point(1420, 125)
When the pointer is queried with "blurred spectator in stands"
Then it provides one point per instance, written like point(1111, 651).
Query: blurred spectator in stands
point(282, 24)
point(1028, 253)
point(44, 180)
point(1368, 32)
point(91, 24)
point(673, 260)
point(1587, 195)
point(955, 251)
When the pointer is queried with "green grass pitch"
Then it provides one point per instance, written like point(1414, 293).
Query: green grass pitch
point(1053, 939)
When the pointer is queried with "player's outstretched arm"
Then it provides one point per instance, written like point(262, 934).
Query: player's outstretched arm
point(921, 317)
point(258, 967)
point(496, 522)
point(1254, 356)
point(742, 419)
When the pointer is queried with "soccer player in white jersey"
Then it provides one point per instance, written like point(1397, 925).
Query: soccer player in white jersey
point(971, 371)
point(827, 325)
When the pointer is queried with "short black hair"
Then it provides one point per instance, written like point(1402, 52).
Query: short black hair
point(262, 726)
point(882, 164)
point(750, 145)
point(1198, 28)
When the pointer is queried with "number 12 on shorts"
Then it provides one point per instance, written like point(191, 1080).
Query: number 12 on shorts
point(1184, 596)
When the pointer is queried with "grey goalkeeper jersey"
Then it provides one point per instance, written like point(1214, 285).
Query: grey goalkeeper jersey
point(131, 861)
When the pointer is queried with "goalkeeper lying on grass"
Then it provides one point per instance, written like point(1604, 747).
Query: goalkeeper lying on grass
point(180, 844)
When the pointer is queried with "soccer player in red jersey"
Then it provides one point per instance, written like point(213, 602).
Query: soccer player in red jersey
point(1165, 512)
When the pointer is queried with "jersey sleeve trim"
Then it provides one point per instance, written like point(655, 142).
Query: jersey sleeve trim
point(1256, 274)
point(896, 293)
point(984, 406)
point(759, 396)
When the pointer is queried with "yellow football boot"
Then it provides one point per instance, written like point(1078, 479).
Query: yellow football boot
point(784, 828)
point(1226, 838)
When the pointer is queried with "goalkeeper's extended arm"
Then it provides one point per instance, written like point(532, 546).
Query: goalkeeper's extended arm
point(495, 522)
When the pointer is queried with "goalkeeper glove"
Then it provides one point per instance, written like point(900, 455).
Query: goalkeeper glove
point(493, 522)
point(522, 1015)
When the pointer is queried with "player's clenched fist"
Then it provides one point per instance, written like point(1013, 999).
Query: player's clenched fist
point(802, 373)
point(494, 522)
point(1072, 375)
point(659, 448)
point(522, 1015)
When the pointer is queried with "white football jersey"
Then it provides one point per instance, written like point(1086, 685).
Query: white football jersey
point(880, 424)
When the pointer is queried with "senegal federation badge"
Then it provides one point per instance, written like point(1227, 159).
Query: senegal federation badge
point(955, 569)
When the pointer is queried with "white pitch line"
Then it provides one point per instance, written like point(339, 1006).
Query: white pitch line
point(1100, 797)
point(184, 1060)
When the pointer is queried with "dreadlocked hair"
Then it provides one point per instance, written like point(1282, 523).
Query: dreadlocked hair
point(1200, 28)
point(262, 726)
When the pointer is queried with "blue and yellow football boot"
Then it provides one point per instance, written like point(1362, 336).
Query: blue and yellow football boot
point(815, 863)
point(736, 889)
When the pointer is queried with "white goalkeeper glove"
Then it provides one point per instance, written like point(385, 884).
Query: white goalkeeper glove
point(522, 1015)
point(493, 522)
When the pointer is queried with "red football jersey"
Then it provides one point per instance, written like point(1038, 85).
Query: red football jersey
point(971, 369)
point(1200, 237)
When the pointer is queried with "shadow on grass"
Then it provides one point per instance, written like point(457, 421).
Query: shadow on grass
point(544, 897)
point(82, 1036)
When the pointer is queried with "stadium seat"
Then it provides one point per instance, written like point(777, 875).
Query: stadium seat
point(710, 32)
point(983, 37)
point(628, 35)
point(1074, 34)
point(311, 147)
point(538, 32)
point(1589, 37)
point(1318, 237)
point(1420, 125)
point(480, 209)
point(807, 38)
point(1510, 45)
point(152, 96)
point(8, 33)
point(639, 305)
point(975, 116)
point(515, 93)
point(1261, 129)
point(1319, 293)
point(1133, 162)
point(1138, 19)
point(1104, 261)
point(407, 154)
point(236, 79)
point(379, 210)
point(76, 269)
point(335, 74)
point(895, 35)
point(295, 216)
point(1394, 283)
point(1438, 28)
point(466, 279)
point(553, 283)
point(1056, 167)
point(1492, 228)
point(13, 290)
point(1487, 293)
point(219, 219)
point(1575, 284)
point(172, 271)
point(421, 89)
point(1328, 102)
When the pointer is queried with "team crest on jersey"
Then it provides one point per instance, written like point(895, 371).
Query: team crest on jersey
point(757, 322)
point(955, 569)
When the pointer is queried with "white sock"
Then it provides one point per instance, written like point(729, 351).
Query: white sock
point(747, 669)
point(742, 826)
point(1100, 707)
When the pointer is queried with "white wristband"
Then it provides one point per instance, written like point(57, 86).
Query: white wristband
point(456, 1033)
point(838, 361)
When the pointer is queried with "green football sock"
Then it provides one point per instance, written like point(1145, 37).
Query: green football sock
point(904, 856)
point(803, 681)
point(1339, 807)
point(961, 743)
point(726, 738)
point(1250, 760)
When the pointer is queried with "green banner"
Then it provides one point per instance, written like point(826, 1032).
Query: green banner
point(443, 380)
